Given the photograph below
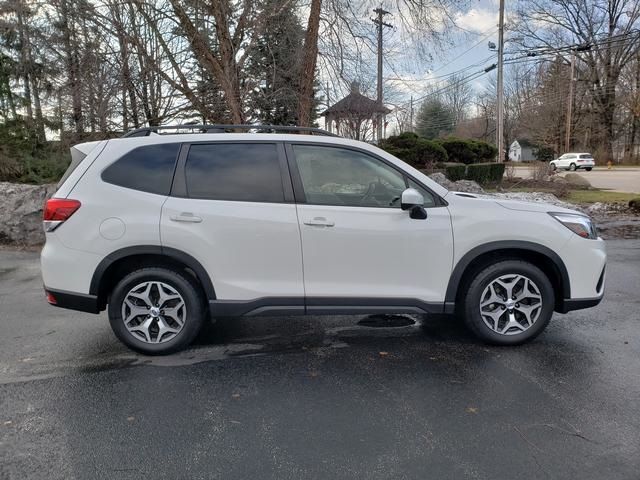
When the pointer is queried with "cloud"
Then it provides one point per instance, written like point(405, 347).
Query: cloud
point(477, 20)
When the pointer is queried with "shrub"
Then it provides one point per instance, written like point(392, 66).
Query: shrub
point(416, 151)
point(455, 172)
point(544, 154)
point(459, 150)
point(428, 152)
point(484, 151)
point(484, 173)
point(468, 151)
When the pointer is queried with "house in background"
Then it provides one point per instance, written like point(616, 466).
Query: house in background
point(522, 151)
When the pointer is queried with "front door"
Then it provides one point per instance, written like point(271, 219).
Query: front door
point(357, 242)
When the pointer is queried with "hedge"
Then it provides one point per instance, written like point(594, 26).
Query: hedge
point(455, 172)
point(486, 172)
point(481, 173)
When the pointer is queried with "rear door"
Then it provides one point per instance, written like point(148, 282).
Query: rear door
point(231, 207)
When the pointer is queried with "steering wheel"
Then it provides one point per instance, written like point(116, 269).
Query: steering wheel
point(370, 192)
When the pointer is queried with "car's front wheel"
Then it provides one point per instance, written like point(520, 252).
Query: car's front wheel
point(509, 303)
point(572, 167)
point(156, 310)
point(554, 167)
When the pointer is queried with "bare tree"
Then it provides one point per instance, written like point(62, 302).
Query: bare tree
point(608, 31)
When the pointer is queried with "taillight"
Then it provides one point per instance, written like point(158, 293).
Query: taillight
point(50, 298)
point(56, 211)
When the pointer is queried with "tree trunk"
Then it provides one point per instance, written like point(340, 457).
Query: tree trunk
point(308, 70)
point(38, 110)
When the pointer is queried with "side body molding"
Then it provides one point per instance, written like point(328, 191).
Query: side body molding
point(474, 253)
point(171, 253)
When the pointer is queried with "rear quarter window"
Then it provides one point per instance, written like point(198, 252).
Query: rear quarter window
point(148, 168)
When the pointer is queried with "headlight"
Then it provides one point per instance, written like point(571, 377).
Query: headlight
point(578, 224)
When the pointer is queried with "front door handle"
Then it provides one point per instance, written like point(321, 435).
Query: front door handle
point(186, 217)
point(319, 222)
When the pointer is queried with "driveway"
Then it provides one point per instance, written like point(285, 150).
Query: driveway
point(623, 179)
point(320, 397)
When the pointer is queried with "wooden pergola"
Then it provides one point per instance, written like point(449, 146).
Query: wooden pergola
point(355, 116)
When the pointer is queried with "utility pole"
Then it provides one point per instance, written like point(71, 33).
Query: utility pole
point(500, 113)
point(380, 24)
point(327, 122)
point(411, 115)
point(567, 140)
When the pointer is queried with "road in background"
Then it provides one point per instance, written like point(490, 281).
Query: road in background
point(320, 397)
point(622, 179)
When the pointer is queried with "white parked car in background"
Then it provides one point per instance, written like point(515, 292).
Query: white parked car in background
point(574, 161)
point(166, 230)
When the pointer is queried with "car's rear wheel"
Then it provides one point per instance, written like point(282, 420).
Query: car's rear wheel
point(572, 167)
point(509, 303)
point(156, 310)
point(588, 169)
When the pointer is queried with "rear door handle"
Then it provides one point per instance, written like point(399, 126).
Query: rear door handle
point(186, 217)
point(319, 222)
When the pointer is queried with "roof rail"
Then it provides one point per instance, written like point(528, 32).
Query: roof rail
point(223, 128)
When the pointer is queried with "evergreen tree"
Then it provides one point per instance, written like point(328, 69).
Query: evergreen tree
point(435, 119)
point(275, 66)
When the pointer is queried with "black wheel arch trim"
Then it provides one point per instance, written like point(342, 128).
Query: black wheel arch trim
point(171, 253)
point(458, 271)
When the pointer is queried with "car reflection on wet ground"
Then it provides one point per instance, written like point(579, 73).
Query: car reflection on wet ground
point(390, 396)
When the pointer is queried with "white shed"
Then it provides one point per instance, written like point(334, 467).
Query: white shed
point(522, 151)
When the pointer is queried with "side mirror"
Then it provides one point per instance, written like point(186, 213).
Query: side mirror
point(411, 198)
point(413, 201)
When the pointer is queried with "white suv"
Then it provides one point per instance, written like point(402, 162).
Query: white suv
point(574, 161)
point(166, 230)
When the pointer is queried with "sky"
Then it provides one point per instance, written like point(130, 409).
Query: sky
point(464, 45)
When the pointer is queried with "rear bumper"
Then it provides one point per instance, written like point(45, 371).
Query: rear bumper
point(73, 301)
point(570, 304)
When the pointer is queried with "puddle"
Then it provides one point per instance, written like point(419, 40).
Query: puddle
point(386, 321)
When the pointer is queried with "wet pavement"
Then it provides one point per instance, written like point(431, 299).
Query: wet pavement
point(321, 397)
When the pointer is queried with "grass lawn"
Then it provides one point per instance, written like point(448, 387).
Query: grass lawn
point(604, 196)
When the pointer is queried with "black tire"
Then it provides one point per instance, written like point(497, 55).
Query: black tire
point(588, 169)
point(554, 167)
point(186, 287)
point(572, 167)
point(472, 298)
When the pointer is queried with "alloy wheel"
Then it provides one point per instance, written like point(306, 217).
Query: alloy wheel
point(154, 312)
point(510, 304)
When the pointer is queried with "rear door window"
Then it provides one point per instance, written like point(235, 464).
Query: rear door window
point(243, 172)
point(148, 168)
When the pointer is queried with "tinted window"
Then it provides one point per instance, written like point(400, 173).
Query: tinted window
point(586, 155)
point(149, 168)
point(338, 176)
point(245, 172)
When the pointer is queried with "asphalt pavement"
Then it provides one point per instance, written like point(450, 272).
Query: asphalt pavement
point(399, 397)
point(618, 179)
